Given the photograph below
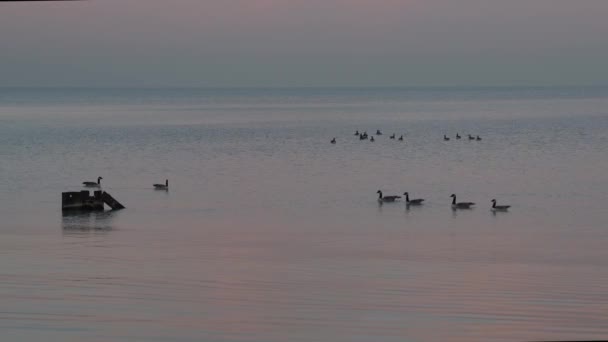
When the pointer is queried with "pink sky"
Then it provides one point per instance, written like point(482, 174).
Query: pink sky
point(304, 42)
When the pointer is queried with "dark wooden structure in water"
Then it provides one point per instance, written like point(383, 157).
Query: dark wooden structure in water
point(82, 200)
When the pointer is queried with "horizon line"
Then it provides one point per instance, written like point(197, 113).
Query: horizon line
point(303, 87)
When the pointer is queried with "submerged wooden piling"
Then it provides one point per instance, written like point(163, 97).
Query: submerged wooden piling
point(111, 202)
point(81, 200)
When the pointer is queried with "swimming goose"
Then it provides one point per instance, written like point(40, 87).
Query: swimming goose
point(162, 186)
point(458, 136)
point(378, 132)
point(478, 138)
point(445, 138)
point(356, 132)
point(372, 139)
point(499, 207)
point(471, 137)
point(386, 198)
point(460, 205)
point(333, 141)
point(93, 184)
point(408, 201)
point(401, 138)
point(392, 136)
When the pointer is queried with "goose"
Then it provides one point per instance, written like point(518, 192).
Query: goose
point(93, 184)
point(445, 138)
point(333, 141)
point(162, 186)
point(356, 132)
point(378, 132)
point(471, 137)
point(372, 139)
point(362, 137)
point(499, 207)
point(382, 199)
point(408, 201)
point(460, 205)
point(401, 138)
point(392, 136)
point(458, 136)
point(478, 138)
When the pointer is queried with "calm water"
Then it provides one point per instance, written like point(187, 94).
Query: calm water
point(270, 233)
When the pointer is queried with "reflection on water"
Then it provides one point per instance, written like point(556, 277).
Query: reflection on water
point(271, 234)
point(85, 221)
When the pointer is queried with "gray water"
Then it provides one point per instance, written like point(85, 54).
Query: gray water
point(271, 233)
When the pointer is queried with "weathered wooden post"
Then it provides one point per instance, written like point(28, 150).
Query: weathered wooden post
point(83, 201)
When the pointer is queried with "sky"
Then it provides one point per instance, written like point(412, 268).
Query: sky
point(299, 43)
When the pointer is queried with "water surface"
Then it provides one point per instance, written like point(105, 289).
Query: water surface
point(270, 233)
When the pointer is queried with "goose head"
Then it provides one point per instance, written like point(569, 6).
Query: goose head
point(453, 195)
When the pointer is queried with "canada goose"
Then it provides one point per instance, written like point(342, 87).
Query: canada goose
point(460, 205)
point(401, 138)
point(386, 198)
point(93, 184)
point(392, 136)
point(362, 136)
point(408, 201)
point(378, 132)
point(471, 137)
point(458, 136)
point(162, 186)
point(478, 138)
point(499, 207)
point(356, 132)
point(445, 138)
point(372, 139)
point(333, 141)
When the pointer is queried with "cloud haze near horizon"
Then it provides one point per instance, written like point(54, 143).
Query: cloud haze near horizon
point(228, 43)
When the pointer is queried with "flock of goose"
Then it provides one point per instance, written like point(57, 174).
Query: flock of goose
point(98, 184)
point(364, 136)
point(458, 137)
point(419, 201)
point(381, 198)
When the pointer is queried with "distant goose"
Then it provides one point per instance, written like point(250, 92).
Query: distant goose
point(458, 136)
point(478, 138)
point(162, 186)
point(333, 141)
point(378, 132)
point(386, 198)
point(445, 138)
point(499, 207)
point(401, 138)
point(372, 139)
point(471, 137)
point(408, 201)
point(460, 205)
point(356, 132)
point(93, 184)
point(362, 136)
point(392, 136)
